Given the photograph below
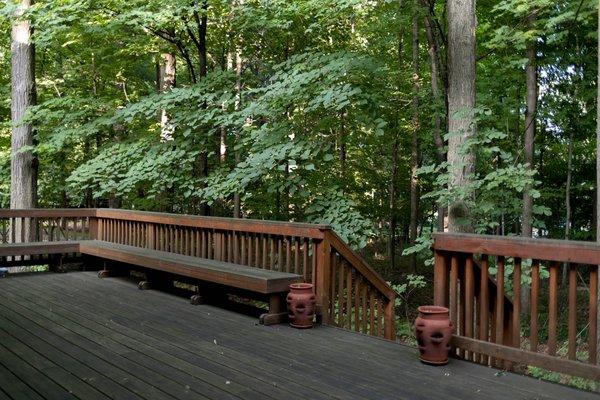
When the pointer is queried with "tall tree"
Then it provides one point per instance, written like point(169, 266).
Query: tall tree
point(598, 178)
point(530, 124)
point(414, 152)
point(23, 187)
point(531, 83)
point(461, 105)
point(438, 100)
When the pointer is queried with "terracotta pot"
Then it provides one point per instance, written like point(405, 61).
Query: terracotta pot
point(434, 331)
point(301, 305)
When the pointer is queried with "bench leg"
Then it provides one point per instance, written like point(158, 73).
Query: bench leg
point(57, 264)
point(104, 273)
point(277, 310)
point(196, 299)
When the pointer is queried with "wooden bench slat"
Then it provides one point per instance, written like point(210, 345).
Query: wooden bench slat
point(38, 248)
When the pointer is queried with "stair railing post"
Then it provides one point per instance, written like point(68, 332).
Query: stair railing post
point(323, 276)
point(390, 319)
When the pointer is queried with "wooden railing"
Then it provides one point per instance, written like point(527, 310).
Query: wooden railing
point(349, 293)
point(480, 278)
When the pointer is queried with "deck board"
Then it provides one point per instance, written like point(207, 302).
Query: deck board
point(106, 339)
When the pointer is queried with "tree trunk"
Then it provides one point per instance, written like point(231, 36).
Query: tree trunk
point(239, 65)
point(530, 124)
point(414, 153)
point(24, 164)
point(598, 181)
point(392, 206)
point(394, 172)
point(202, 21)
point(530, 127)
point(461, 104)
point(434, 61)
point(167, 81)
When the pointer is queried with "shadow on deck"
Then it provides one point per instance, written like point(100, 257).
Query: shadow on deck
point(65, 336)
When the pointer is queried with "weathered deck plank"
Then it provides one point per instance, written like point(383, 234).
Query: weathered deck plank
point(172, 350)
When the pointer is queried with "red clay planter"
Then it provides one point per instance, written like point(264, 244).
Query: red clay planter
point(434, 331)
point(301, 305)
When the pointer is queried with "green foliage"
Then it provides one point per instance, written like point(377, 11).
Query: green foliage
point(308, 125)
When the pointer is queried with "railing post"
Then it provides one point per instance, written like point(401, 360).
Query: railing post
point(322, 279)
point(95, 228)
point(440, 283)
point(389, 319)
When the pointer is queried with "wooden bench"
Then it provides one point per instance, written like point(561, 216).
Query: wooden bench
point(49, 249)
point(271, 284)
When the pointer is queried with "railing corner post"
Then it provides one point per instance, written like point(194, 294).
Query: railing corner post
point(95, 228)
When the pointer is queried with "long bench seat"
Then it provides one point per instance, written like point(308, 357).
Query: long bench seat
point(272, 284)
point(228, 274)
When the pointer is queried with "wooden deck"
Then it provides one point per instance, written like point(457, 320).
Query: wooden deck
point(65, 336)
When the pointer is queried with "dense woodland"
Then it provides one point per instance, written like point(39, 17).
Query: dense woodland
point(387, 119)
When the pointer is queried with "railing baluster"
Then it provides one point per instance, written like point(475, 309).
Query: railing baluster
point(357, 304)
point(265, 251)
point(305, 269)
point(349, 297)
point(364, 309)
point(552, 308)
point(244, 254)
point(469, 297)
point(535, 292)
point(484, 306)
point(453, 291)
point(593, 316)
point(341, 294)
point(332, 281)
point(296, 256)
point(371, 312)
point(280, 253)
point(288, 254)
point(500, 300)
point(516, 322)
point(572, 311)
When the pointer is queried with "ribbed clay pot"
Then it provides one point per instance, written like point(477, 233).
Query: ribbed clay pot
point(301, 305)
point(434, 331)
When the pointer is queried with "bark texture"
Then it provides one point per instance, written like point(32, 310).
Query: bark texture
point(239, 64)
point(530, 125)
point(23, 184)
point(168, 72)
point(531, 82)
point(434, 61)
point(461, 103)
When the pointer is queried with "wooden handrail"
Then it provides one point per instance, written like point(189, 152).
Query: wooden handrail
point(313, 231)
point(544, 249)
point(48, 213)
point(361, 265)
point(491, 332)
